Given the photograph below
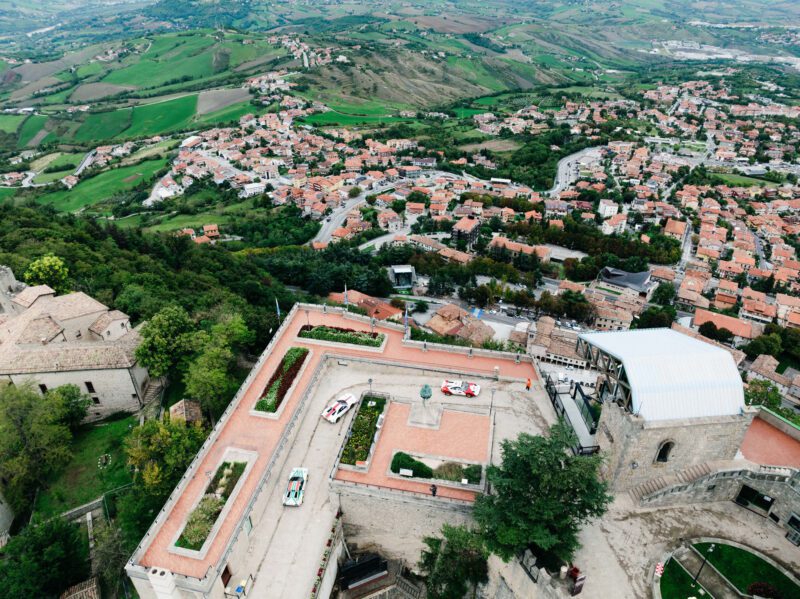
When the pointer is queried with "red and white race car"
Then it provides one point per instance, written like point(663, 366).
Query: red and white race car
point(461, 388)
point(338, 407)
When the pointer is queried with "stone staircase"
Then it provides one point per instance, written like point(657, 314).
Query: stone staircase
point(151, 402)
point(688, 475)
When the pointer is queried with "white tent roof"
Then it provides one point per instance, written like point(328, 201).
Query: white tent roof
point(674, 376)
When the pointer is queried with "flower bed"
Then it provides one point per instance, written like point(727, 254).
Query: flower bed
point(340, 335)
point(204, 516)
point(281, 380)
point(444, 471)
point(363, 432)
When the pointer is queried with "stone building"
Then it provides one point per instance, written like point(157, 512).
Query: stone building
point(51, 341)
point(669, 403)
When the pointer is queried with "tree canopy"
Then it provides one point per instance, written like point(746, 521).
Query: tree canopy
point(541, 495)
point(42, 560)
point(34, 441)
point(454, 562)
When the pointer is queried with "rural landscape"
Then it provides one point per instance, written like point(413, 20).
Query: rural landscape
point(438, 299)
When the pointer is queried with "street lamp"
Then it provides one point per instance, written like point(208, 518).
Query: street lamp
point(370, 385)
point(705, 559)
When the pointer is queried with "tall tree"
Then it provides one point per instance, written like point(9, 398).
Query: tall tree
point(34, 442)
point(454, 563)
point(48, 270)
point(43, 560)
point(166, 341)
point(541, 495)
point(664, 294)
point(210, 377)
point(72, 404)
point(160, 450)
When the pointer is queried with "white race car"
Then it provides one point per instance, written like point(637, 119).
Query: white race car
point(296, 487)
point(461, 388)
point(338, 407)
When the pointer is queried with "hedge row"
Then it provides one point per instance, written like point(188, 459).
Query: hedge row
point(340, 335)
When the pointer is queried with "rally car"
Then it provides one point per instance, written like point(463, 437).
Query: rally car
point(338, 407)
point(296, 487)
point(461, 388)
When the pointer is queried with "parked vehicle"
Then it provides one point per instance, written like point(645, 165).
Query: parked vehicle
point(339, 407)
point(465, 388)
point(296, 488)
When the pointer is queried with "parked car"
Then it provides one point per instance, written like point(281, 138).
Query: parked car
point(339, 407)
point(296, 487)
point(460, 388)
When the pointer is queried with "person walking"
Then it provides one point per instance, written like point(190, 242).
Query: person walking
point(433, 490)
point(528, 385)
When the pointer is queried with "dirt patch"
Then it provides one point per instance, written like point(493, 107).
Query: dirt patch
point(217, 99)
point(35, 86)
point(132, 178)
point(495, 145)
point(38, 138)
point(95, 91)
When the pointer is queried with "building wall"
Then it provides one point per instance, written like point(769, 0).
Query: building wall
point(114, 389)
point(726, 485)
point(631, 444)
point(391, 523)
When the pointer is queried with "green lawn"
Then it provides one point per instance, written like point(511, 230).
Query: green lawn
point(741, 180)
point(68, 161)
point(104, 125)
point(32, 125)
point(101, 187)
point(161, 117)
point(676, 582)
point(743, 568)
point(166, 61)
point(229, 114)
point(9, 123)
point(336, 118)
point(82, 480)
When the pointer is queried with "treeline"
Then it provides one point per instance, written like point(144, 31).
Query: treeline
point(140, 273)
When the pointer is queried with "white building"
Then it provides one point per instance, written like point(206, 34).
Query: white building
point(607, 208)
point(71, 339)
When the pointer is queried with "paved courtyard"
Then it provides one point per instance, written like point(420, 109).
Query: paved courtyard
point(621, 549)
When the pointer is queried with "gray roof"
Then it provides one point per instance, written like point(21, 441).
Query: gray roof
point(674, 376)
point(638, 281)
point(52, 335)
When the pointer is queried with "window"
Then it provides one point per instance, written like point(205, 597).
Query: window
point(664, 450)
point(226, 576)
point(43, 388)
point(96, 400)
point(89, 387)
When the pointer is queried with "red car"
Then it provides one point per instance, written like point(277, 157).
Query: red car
point(461, 388)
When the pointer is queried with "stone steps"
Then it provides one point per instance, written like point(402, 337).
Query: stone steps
point(686, 476)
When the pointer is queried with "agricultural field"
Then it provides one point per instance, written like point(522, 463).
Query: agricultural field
point(95, 190)
point(9, 123)
point(69, 162)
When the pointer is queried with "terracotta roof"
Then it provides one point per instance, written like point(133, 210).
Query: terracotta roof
point(740, 328)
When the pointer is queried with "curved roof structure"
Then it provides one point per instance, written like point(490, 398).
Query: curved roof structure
point(673, 376)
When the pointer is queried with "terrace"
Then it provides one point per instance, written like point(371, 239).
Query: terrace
point(293, 434)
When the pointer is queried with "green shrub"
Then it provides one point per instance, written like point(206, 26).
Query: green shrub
point(363, 431)
point(200, 522)
point(473, 474)
point(403, 460)
point(281, 380)
point(339, 335)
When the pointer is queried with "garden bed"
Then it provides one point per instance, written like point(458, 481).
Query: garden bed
point(437, 469)
point(281, 380)
point(744, 569)
point(340, 335)
point(362, 433)
point(676, 583)
point(203, 517)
